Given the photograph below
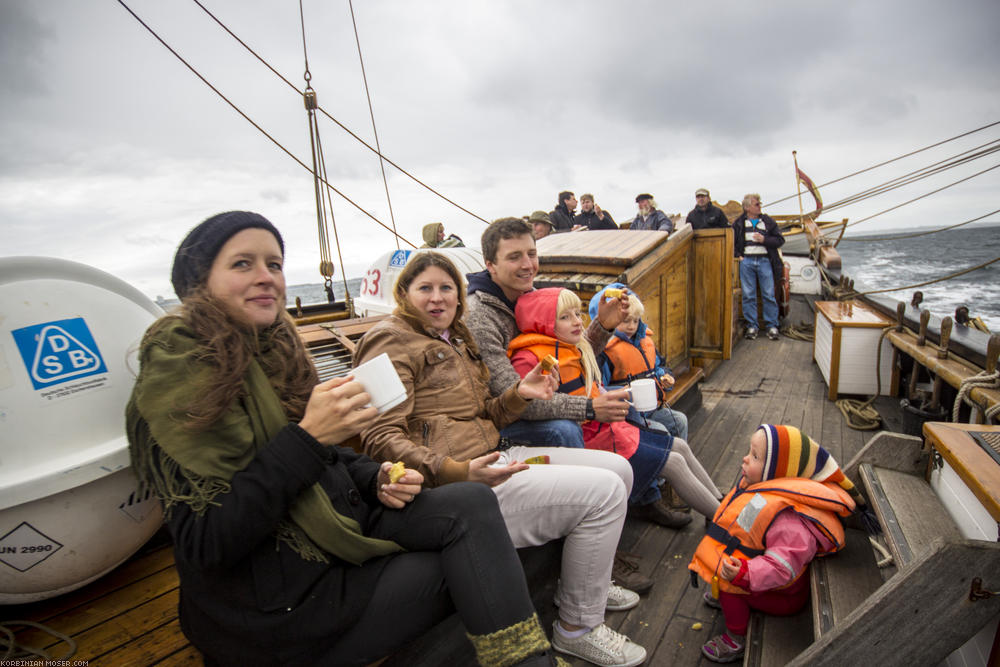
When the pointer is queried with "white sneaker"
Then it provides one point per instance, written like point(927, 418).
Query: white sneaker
point(620, 599)
point(601, 646)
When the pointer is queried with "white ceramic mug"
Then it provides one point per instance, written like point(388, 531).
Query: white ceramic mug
point(379, 378)
point(643, 394)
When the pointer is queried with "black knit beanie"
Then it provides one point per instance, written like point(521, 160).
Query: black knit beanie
point(197, 251)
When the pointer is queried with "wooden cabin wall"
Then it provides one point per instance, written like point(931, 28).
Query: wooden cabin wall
point(711, 301)
point(664, 289)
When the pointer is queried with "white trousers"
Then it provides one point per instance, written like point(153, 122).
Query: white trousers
point(581, 495)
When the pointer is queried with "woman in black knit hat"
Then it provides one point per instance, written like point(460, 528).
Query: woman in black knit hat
point(291, 548)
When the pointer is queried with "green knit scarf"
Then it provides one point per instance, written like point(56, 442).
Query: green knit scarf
point(192, 467)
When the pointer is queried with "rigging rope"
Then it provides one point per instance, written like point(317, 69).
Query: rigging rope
point(929, 282)
point(917, 175)
point(371, 112)
point(895, 159)
point(251, 121)
point(928, 194)
point(324, 112)
point(897, 237)
point(326, 267)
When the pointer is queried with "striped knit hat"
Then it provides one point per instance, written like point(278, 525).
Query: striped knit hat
point(792, 453)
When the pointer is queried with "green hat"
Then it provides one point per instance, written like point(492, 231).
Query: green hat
point(540, 216)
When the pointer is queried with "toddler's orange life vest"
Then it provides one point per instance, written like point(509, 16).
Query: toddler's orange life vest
point(629, 362)
point(740, 524)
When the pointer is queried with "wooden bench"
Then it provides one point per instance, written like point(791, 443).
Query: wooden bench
point(686, 394)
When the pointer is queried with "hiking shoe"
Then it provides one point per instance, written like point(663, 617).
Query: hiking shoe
point(626, 572)
point(773, 334)
point(750, 334)
point(601, 646)
point(659, 513)
point(722, 648)
point(620, 599)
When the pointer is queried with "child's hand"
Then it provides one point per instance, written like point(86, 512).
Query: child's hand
point(729, 568)
point(610, 313)
point(538, 385)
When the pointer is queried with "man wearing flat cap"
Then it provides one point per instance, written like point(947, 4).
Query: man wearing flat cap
point(650, 217)
point(540, 223)
point(705, 214)
point(593, 216)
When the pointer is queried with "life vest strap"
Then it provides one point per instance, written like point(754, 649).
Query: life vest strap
point(572, 385)
point(731, 542)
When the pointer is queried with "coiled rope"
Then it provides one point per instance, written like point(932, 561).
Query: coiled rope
point(801, 331)
point(982, 379)
point(860, 415)
point(14, 650)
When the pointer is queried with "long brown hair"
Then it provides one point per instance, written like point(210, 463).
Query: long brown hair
point(417, 265)
point(228, 344)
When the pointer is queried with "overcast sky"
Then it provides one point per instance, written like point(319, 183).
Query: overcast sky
point(111, 149)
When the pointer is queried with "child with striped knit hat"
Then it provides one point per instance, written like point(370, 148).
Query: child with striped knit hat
point(785, 510)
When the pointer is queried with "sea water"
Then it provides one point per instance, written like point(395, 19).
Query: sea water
point(898, 261)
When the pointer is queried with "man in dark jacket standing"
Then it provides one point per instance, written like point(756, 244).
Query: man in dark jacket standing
point(756, 239)
point(705, 214)
point(650, 217)
point(562, 215)
point(592, 216)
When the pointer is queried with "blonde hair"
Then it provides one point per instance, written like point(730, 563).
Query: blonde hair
point(635, 307)
point(749, 198)
point(568, 301)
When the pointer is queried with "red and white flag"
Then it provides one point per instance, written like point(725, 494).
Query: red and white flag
point(811, 187)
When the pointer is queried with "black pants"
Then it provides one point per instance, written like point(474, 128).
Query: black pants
point(459, 557)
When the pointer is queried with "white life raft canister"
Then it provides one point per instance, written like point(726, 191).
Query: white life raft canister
point(70, 510)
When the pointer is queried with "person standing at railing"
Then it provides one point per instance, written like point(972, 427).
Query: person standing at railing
point(756, 239)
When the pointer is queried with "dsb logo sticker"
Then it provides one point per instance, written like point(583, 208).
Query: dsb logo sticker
point(57, 352)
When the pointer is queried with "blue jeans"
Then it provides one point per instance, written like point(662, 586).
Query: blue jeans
point(545, 433)
point(756, 270)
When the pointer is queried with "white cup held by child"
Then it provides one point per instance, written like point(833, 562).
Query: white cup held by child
point(643, 394)
point(379, 378)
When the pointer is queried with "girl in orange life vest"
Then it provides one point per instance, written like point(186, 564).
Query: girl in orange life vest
point(782, 513)
point(550, 323)
point(630, 355)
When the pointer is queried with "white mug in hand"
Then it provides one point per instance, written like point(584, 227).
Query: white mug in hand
point(643, 394)
point(379, 378)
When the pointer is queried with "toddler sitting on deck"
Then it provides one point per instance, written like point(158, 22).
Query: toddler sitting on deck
point(784, 510)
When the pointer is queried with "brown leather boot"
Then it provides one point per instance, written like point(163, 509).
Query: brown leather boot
point(659, 513)
point(625, 573)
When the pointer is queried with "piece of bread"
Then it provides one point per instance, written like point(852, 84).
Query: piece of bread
point(548, 362)
point(396, 471)
point(613, 293)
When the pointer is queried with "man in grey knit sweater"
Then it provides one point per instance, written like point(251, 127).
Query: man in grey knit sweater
point(511, 266)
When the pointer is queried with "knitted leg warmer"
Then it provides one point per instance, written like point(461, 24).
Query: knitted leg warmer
point(509, 646)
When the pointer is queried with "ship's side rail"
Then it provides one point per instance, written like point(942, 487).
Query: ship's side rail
point(942, 367)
